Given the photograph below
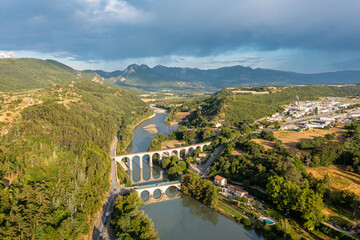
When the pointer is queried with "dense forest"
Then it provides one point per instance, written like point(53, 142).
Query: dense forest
point(55, 163)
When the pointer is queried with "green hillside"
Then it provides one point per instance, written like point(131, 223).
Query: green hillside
point(55, 165)
point(18, 74)
point(248, 107)
point(231, 106)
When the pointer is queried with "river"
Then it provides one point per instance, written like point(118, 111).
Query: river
point(184, 218)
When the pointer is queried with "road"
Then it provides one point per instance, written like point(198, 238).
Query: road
point(102, 227)
point(206, 168)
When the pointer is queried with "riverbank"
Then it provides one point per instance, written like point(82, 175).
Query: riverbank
point(157, 109)
point(131, 133)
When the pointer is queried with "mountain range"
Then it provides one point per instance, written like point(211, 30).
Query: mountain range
point(161, 77)
point(28, 73)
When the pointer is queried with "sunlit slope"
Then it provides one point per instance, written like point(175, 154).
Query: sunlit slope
point(18, 74)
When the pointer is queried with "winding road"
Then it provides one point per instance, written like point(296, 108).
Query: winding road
point(102, 227)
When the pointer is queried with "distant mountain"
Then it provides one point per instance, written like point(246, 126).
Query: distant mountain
point(239, 75)
point(180, 78)
point(142, 76)
point(104, 74)
point(27, 73)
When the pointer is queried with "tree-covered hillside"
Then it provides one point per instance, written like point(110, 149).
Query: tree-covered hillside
point(28, 73)
point(54, 161)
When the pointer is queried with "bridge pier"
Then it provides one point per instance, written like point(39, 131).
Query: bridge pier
point(141, 175)
point(150, 161)
point(141, 163)
point(130, 175)
point(130, 164)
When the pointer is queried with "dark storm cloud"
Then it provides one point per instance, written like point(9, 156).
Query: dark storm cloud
point(115, 29)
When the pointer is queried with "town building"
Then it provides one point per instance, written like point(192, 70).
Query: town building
point(219, 180)
point(237, 191)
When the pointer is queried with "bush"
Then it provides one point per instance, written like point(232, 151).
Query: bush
point(267, 135)
point(246, 222)
point(241, 199)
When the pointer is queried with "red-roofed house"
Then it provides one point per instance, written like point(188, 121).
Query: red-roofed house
point(219, 180)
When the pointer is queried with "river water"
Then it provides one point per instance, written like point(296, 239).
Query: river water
point(184, 218)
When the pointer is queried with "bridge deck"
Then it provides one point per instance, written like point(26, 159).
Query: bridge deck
point(166, 150)
point(158, 184)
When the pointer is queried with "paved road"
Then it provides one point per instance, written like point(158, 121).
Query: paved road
point(206, 168)
point(102, 228)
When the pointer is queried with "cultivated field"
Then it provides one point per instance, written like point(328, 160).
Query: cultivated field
point(291, 138)
point(339, 178)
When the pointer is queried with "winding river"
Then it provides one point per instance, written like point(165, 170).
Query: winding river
point(184, 218)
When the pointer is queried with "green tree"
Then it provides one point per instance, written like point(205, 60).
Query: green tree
point(283, 193)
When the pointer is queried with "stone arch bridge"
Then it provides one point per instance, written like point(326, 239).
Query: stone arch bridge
point(151, 188)
point(150, 154)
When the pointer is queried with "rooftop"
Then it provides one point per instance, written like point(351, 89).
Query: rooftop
point(219, 177)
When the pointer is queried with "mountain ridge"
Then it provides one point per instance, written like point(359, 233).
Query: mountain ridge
point(231, 76)
point(18, 74)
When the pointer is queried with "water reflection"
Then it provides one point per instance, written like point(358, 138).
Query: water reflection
point(200, 210)
point(140, 143)
point(186, 218)
point(171, 191)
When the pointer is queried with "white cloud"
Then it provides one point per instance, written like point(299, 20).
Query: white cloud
point(111, 11)
point(9, 54)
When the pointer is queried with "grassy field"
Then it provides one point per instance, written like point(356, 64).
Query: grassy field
point(339, 178)
point(170, 144)
point(267, 144)
point(291, 138)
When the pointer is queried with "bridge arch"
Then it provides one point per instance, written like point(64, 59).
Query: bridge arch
point(175, 152)
point(145, 195)
point(182, 153)
point(152, 154)
point(162, 187)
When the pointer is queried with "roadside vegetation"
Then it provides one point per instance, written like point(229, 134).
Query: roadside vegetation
point(128, 222)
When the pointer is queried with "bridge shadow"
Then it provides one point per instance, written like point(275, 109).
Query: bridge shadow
point(154, 174)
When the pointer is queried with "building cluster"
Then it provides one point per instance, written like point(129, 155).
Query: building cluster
point(231, 190)
point(331, 110)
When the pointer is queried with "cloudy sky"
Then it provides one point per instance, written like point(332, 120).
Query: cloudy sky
point(303, 36)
